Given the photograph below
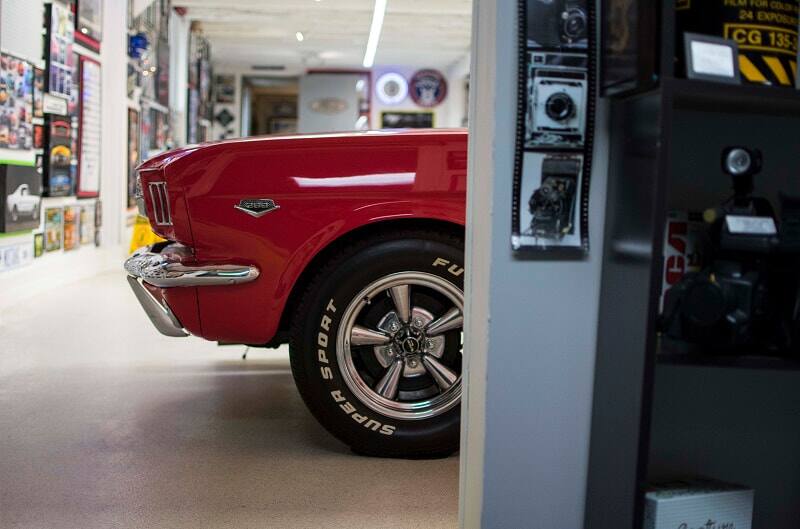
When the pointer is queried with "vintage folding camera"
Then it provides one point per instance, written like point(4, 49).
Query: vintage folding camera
point(557, 97)
point(552, 205)
point(557, 23)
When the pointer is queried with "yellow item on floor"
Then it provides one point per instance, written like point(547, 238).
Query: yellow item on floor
point(143, 234)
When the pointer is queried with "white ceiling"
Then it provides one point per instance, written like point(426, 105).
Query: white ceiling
point(432, 33)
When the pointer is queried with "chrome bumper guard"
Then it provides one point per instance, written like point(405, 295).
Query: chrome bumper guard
point(161, 315)
point(162, 271)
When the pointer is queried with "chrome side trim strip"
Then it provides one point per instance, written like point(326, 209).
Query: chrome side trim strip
point(158, 270)
point(160, 315)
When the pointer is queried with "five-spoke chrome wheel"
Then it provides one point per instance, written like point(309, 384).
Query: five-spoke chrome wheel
point(400, 343)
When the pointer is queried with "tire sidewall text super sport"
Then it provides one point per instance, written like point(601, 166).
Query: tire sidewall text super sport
point(314, 345)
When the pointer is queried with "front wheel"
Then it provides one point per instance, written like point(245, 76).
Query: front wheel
point(377, 343)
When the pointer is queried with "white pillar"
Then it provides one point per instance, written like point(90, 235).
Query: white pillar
point(114, 165)
point(531, 324)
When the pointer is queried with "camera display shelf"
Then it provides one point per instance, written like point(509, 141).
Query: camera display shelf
point(706, 96)
point(675, 352)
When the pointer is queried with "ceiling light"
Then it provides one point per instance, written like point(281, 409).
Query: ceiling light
point(300, 36)
point(375, 33)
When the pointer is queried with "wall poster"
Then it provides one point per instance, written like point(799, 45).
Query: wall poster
point(555, 104)
point(16, 103)
point(60, 59)
point(38, 93)
point(53, 228)
point(71, 227)
point(87, 228)
point(89, 142)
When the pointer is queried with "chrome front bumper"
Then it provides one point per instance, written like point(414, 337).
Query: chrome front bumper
point(160, 270)
point(160, 314)
point(165, 270)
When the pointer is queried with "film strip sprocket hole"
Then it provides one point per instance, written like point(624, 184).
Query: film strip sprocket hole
point(555, 126)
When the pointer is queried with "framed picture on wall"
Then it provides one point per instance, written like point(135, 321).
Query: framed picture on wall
point(407, 120)
point(53, 228)
point(225, 88)
point(134, 154)
point(89, 23)
point(629, 45)
point(89, 140)
point(58, 157)
point(282, 125)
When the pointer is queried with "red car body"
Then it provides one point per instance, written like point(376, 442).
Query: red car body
point(329, 188)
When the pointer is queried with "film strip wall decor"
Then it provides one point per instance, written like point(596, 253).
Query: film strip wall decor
point(555, 126)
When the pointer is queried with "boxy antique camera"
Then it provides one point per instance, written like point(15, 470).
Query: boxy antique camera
point(557, 23)
point(747, 295)
point(558, 89)
point(552, 205)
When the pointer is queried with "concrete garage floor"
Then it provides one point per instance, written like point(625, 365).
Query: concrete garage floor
point(105, 423)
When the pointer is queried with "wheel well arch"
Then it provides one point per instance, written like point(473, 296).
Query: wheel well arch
point(362, 232)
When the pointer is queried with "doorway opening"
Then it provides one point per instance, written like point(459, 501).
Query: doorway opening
point(269, 105)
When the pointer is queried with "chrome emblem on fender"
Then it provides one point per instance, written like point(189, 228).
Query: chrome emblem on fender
point(257, 207)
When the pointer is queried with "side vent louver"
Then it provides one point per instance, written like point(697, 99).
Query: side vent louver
point(160, 200)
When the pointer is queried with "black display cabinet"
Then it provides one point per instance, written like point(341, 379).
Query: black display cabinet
point(661, 410)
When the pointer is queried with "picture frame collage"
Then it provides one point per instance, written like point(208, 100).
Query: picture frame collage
point(555, 116)
point(56, 107)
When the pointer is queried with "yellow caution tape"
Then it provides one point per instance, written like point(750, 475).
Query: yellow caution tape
point(777, 68)
point(750, 71)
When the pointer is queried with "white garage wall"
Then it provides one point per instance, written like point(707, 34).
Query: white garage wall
point(179, 28)
point(21, 28)
point(21, 35)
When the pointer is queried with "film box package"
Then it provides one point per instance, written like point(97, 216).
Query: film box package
point(698, 504)
point(684, 235)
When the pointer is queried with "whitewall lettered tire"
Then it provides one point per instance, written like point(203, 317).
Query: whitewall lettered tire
point(376, 345)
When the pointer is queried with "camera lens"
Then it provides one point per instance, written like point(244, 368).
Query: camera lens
point(574, 24)
point(560, 107)
point(738, 161)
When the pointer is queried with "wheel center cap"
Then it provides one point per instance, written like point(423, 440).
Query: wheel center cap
point(410, 345)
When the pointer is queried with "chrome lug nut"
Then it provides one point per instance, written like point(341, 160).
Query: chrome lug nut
point(417, 322)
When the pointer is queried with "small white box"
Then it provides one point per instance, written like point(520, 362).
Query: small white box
point(698, 504)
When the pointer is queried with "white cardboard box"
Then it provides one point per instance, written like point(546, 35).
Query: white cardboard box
point(698, 504)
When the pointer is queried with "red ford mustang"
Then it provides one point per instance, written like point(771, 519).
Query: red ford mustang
point(347, 246)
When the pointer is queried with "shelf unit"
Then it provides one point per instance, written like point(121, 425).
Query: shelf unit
point(669, 352)
point(662, 409)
